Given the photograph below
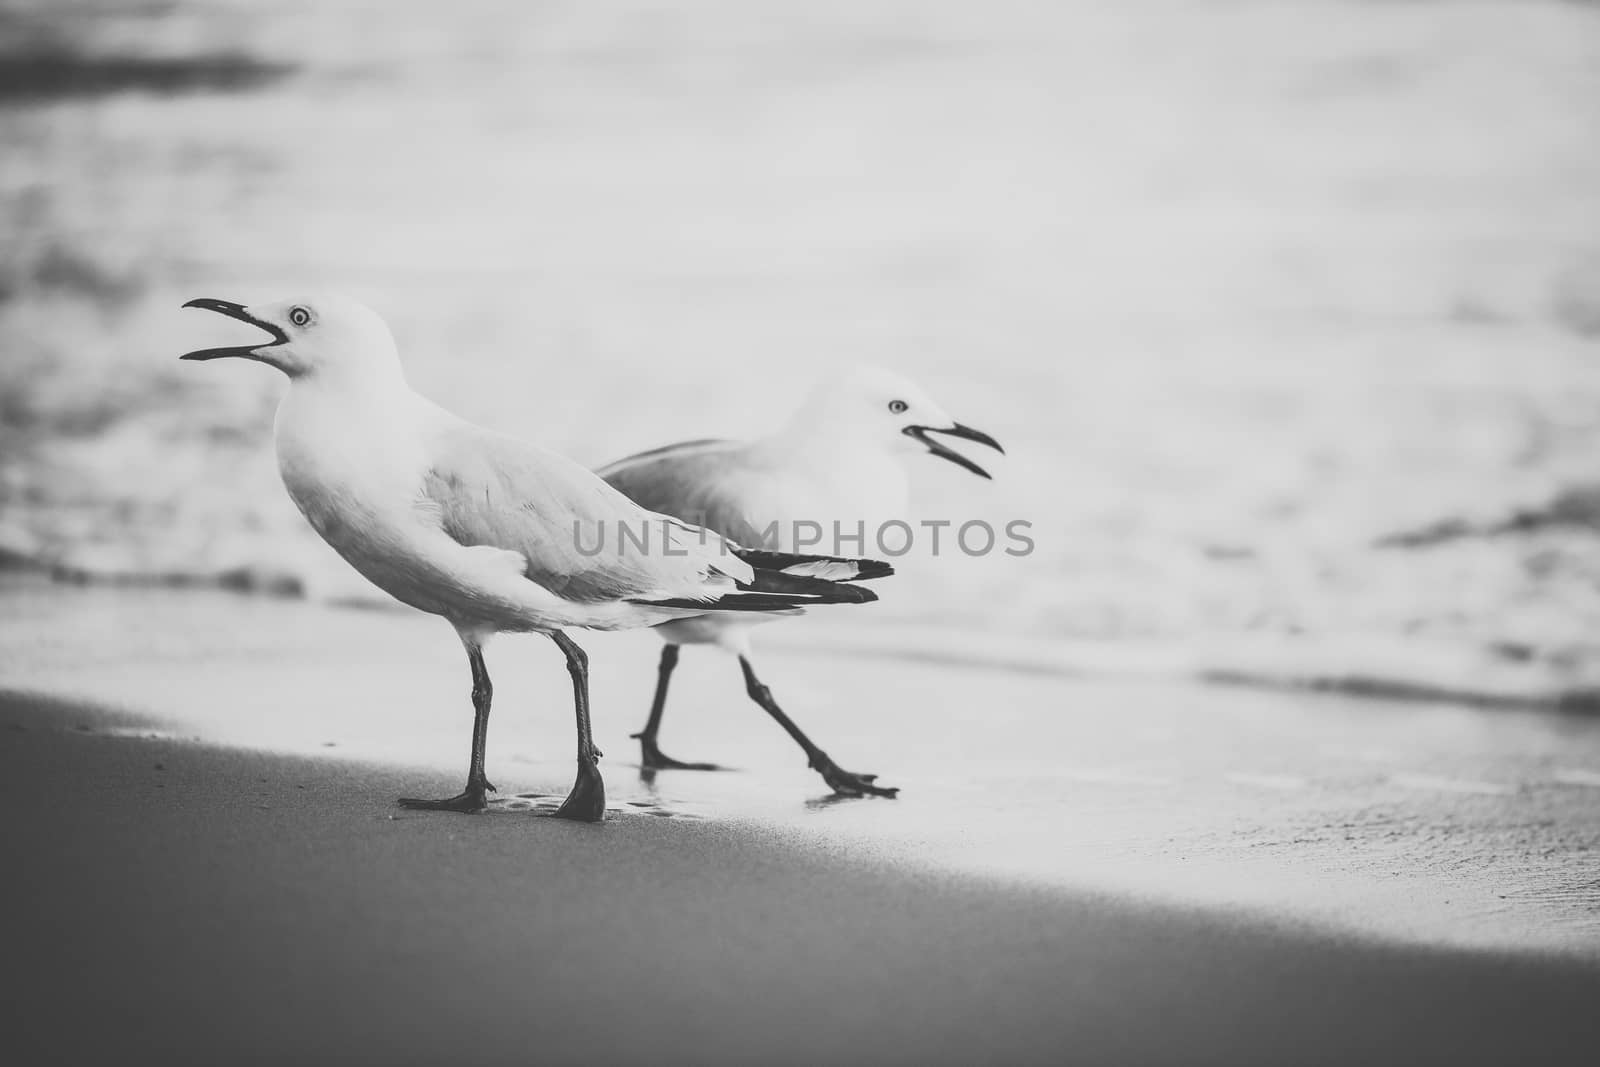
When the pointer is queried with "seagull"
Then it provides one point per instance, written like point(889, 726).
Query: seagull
point(838, 466)
point(493, 534)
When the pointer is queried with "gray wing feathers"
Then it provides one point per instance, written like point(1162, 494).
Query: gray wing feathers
point(706, 483)
point(581, 538)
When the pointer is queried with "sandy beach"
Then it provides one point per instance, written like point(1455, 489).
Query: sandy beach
point(212, 868)
point(200, 905)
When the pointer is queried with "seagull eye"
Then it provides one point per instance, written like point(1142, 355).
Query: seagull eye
point(896, 407)
point(299, 316)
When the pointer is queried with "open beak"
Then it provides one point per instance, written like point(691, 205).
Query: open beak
point(944, 451)
point(234, 311)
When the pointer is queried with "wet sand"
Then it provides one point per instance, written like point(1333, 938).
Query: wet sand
point(206, 864)
point(1425, 823)
point(169, 899)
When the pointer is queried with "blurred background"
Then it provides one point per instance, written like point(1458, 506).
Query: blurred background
point(1287, 311)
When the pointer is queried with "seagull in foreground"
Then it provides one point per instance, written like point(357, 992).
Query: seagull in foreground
point(839, 459)
point(489, 532)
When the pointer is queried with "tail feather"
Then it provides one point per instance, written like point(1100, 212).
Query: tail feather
point(785, 581)
point(800, 585)
point(828, 568)
point(769, 602)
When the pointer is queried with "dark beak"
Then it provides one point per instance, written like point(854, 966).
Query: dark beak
point(234, 311)
point(943, 451)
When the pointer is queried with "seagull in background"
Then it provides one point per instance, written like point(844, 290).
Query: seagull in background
point(841, 458)
point(491, 533)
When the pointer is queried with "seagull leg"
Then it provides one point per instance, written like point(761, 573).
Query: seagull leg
point(473, 797)
point(587, 801)
point(842, 781)
point(651, 758)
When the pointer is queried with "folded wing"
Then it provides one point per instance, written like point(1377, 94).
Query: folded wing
point(707, 483)
point(582, 539)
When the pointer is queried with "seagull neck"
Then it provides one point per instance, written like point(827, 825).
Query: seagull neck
point(353, 394)
point(369, 379)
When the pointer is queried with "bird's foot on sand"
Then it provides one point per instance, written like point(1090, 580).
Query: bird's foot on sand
point(468, 802)
point(587, 801)
point(850, 784)
point(652, 758)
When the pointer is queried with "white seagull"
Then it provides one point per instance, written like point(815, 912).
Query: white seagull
point(489, 532)
point(840, 459)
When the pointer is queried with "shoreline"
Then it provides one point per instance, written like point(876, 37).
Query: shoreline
point(1412, 673)
point(1415, 823)
point(202, 903)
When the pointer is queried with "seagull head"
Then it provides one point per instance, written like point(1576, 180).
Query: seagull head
point(873, 406)
point(307, 336)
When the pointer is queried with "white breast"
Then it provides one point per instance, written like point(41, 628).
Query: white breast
point(339, 465)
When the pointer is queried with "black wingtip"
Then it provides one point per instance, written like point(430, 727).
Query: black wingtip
point(765, 559)
point(868, 569)
point(762, 600)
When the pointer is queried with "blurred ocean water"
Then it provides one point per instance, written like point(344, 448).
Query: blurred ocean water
point(1287, 312)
